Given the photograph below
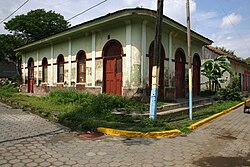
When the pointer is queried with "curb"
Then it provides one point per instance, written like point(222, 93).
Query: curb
point(169, 133)
point(206, 120)
point(116, 132)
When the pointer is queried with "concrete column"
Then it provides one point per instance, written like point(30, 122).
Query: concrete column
point(52, 61)
point(70, 65)
point(128, 52)
point(143, 51)
point(170, 56)
point(24, 65)
point(93, 59)
point(37, 68)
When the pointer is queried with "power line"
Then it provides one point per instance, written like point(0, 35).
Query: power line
point(87, 10)
point(244, 43)
point(14, 11)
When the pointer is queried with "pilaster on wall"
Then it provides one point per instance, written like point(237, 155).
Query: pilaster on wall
point(37, 68)
point(127, 81)
point(93, 58)
point(170, 54)
point(70, 65)
point(52, 62)
point(143, 51)
point(24, 65)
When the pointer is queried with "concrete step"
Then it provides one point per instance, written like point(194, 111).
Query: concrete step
point(182, 104)
point(168, 110)
point(178, 110)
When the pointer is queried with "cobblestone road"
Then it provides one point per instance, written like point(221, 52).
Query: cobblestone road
point(28, 140)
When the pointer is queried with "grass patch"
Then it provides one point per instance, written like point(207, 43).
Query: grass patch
point(87, 112)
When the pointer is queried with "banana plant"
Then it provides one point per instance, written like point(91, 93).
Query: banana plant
point(214, 69)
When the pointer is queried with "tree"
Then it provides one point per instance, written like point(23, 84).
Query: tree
point(223, 49)
point(247, 60)
point(8, 43)
point(7, 54)
point(37, 24)
point(214, 69)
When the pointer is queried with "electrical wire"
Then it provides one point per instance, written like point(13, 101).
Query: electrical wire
point(244, 43)
point(87, 10)
point(14, 11)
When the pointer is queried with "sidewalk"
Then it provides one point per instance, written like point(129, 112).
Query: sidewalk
point(222, 141)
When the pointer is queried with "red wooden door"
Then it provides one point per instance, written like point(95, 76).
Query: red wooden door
point(113, 76)
point(161, 74)
point(31, 75)
point(118, 75)
point(180, 74)
point(113, 69)
point(110, 76)
point(30, 80)
point(196, 75)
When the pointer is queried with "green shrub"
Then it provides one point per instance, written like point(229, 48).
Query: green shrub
point(69, 96)
point(232, 91)
point(207, 93)
point(8, 89)
point(104, 103)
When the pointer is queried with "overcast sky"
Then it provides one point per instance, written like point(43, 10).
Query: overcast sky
point(226, 22)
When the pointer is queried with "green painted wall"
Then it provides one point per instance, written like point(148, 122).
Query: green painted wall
point(84, 42)
point(61, 48)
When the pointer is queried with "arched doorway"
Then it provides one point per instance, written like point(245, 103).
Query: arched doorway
point(196, 74)
point(112, 67)
point(180, 61)
point(30, 75)
point(161, 75)
point(44, 70)
point(81, 66)
point(60, 68)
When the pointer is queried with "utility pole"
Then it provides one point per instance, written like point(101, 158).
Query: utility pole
point(156, 61)
point(189, 61)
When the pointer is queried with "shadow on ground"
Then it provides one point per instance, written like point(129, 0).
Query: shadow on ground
point(224, 161)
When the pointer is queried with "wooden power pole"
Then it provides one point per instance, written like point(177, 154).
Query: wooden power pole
point(190, 78)
point(156, 61)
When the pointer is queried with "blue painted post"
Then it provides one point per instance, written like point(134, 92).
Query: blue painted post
point(190, 94)
point(153, 103)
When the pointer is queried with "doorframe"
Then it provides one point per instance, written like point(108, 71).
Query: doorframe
point(30, 68)
point(183, 70)
point(104, 57)
point(196, 56)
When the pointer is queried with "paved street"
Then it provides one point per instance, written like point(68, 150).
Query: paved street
point(28, 140)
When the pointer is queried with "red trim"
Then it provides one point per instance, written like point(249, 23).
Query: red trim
point(98, 58)
point(109, 42)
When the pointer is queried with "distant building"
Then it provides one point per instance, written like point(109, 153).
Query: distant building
point(238, 67)
point(113, 54)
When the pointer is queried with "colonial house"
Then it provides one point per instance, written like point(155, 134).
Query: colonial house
point(238, 67)
point(113, 54)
